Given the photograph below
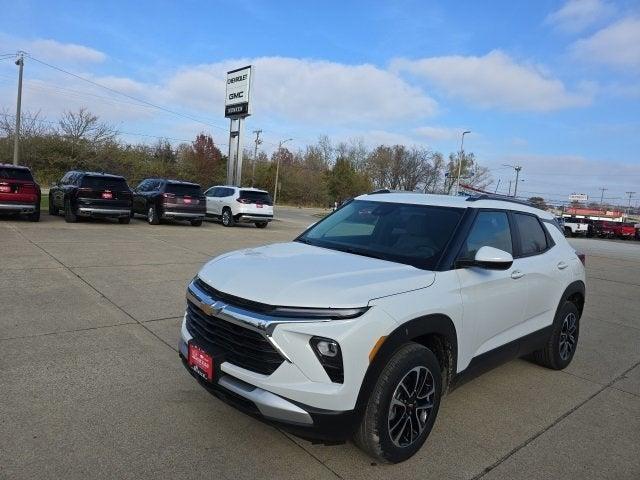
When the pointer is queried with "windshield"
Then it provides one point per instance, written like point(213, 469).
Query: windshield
point(104, 183)
point(412, 234)
point(182, 189)
point(8, 173)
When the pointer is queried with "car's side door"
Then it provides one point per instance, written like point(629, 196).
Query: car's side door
point(493, 300)
point(227, 199)
point(138, 197)
point(544, 269)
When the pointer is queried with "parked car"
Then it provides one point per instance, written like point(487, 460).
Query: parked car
point(91, 194)
point(234, 204)
point(574, 227)
point(617, 230)
point(161, 198)
point(359, 326)
point(19, 192)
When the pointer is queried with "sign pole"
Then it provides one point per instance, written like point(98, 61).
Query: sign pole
point(238, 176)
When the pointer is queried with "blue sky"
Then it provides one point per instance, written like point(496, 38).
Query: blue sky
point(551, 85)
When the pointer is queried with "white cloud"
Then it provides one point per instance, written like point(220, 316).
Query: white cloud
point(439, 133)
point(617, 45)
point(308, 91)
point(495, 80)
point(63, 52)
point(576, 15)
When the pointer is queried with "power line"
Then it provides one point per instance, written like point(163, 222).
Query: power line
point(160, 137)
point(159, 107)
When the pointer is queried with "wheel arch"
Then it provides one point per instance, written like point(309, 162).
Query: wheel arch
point(574, 293)
point(436, 332)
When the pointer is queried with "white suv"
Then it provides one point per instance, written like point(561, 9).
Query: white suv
point(359, 326)
point(235, 204)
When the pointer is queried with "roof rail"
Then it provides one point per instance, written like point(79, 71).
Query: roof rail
point(502, 198)
point(387, 190)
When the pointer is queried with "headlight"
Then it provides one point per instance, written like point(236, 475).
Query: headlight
point(318, 313)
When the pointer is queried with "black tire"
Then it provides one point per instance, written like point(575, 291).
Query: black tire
point(262, 224)
point(196, 222)
point(379, 433)
point(132, 214)
point(69, 215)
point(568, 232)
point(152, 215)
point(124, 220)
point(561, 346)
point(35, 216)
point(227, 217)
point(53, 210)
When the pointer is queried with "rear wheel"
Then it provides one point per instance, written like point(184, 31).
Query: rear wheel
point(227, 217)
point(124, 220)
point(69, 215)
point(403, 406)
point(196, 222)
point(152, 215)
point(261, 224)
point(561, 346)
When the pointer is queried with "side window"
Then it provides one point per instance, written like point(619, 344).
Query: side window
point(532, 237)
point(142, 187)
point(229, 192)
point(491, 229)
point(210, 192)
point(65, 179)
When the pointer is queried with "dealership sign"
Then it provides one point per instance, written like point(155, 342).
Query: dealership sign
point(578, 197)
point(236, 100)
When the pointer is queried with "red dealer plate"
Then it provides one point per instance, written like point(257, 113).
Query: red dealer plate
point(186, 200)
point(200, 362)
point(5, 188)
point(259, 205)
point(107, 195)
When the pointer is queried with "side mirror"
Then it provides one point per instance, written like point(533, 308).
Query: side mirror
point(489, 258)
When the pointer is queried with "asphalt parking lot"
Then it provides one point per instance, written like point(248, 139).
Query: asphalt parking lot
point(91, 385)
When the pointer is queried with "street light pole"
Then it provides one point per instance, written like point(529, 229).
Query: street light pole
point(631, 194)
point(460, 160)
point(275, 189)
point(602, 190)
point(16, 137)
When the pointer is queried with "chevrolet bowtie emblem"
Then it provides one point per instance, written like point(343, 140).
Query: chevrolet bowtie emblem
point(215, 308)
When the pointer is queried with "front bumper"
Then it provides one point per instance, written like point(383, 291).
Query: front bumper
point(303, 420)
point(103, 212)
point(18, 207)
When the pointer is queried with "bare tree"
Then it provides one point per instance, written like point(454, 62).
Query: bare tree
point(31, 124)
point(84, 126)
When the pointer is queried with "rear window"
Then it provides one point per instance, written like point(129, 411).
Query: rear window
point(532, 237)
point(8, 173)
point(184, 189)
point(256, 197)
point(104, 183)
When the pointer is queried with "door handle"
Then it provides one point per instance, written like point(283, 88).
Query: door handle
point(562, 265)
point(516, 274)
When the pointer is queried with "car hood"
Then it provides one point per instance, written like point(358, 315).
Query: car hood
point(296, 274)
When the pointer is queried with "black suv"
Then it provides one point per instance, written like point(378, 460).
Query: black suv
point(91, 194)
point(161, 198)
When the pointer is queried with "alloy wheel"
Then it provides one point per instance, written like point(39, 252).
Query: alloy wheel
point(411, 404)
point(150, 215)
point(568, 336)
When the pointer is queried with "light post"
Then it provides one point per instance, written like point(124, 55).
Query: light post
point(460, 160)
point(16, 136)
point(275, 188)
point(517, 168)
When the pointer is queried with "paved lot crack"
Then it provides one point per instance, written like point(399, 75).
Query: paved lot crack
point(311, 454)
point(70, 270)
point(553, 424)
point(35, 335)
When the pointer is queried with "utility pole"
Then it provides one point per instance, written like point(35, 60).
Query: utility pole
point(275, 189)
point(602, 190)
point(517, 168)
point(255, 156)
point(631, 194)
point(16, 137)
point(460, 160)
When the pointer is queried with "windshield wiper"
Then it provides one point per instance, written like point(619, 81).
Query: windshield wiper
point(364, 253)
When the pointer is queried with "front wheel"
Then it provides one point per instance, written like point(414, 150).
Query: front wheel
point(69, 215)
point(124, 220)
point(53, 210)
point(262, 224)
point(196, 222)
point(403, 405)
point(152, 216)
point(561, 346)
